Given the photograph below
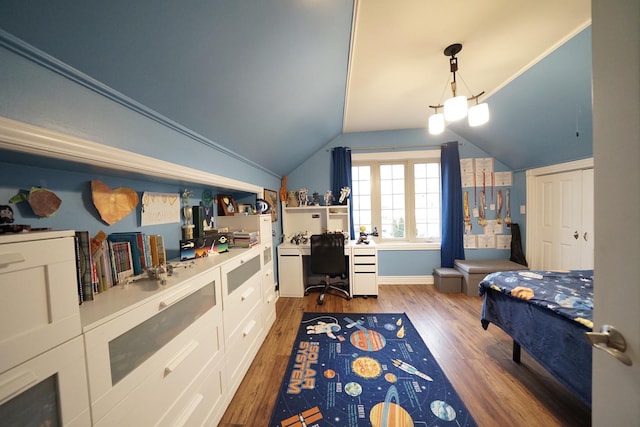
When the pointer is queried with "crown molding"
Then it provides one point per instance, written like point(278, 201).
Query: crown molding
point(29, 139)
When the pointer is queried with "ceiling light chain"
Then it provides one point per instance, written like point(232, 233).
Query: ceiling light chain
point(456, 107)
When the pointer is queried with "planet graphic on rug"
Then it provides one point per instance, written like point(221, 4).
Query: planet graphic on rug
point(390, 377)
point(366, 367)
point(390, 413)
point(443, 410)
point(329, 373)
point(353, 389)
point(366, 340)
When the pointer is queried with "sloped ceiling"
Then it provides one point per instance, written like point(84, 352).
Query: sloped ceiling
point(276, 80)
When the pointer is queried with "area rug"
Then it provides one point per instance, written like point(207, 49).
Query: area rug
point(369, 369)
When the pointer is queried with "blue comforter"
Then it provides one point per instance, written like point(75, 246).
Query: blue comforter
point(569, 294)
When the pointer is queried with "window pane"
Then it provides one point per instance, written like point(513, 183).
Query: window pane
point(427, 200)
point(392, 201)
point(361, 195)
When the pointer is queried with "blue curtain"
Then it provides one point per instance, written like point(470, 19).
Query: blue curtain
point(452, 246)
point(341, 177)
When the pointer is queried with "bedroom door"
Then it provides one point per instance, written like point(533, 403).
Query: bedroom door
point(616, 134)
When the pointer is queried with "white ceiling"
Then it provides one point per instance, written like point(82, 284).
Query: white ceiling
point(397, 67)
point(274, 81)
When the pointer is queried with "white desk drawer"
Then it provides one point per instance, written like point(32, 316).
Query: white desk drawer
point(362, 250)
point(38, 285)
point(364, 268)
point(364, 259)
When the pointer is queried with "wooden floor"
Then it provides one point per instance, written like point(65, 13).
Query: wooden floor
point(497, 391)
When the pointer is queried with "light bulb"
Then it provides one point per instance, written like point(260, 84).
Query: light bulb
point(455, 108)
point(436, 124)
point(478, 114)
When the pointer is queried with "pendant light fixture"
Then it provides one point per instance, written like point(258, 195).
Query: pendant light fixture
point(456, 107)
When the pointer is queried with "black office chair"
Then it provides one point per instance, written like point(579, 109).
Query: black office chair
point(327, 257)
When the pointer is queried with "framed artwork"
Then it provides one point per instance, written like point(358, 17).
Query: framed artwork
point(272, 198)
point(226, 205)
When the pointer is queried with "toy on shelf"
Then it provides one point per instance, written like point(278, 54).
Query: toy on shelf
point(364, 235)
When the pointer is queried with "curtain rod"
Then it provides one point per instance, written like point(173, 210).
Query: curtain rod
point(398, 147)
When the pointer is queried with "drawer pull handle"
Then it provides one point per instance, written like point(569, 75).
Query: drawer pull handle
point(246, 295)
point(186, 414)
point(172, 299)
point(12, 258)
point(246, 331)
point(16, 385)
point(176, 361)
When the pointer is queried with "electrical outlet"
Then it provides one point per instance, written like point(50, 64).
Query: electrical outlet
point(523, 210)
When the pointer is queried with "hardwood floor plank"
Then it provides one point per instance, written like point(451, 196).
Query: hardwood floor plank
point(497, 391)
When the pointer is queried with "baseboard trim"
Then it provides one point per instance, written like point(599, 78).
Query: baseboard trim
point(405, 280)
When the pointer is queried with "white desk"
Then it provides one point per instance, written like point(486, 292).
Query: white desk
point(293, 272)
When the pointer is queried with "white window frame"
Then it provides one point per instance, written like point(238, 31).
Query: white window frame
point(408, 158)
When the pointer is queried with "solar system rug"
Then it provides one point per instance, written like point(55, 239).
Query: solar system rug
point(369, 369)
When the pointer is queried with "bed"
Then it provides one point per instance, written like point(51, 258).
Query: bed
point(547, 314)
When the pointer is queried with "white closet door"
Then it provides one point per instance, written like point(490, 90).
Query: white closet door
point(560, 215)
point(587, 244)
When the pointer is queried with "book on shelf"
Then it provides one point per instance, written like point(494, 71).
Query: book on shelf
point(84, 262)
point(78, 271)
point(123, 260)
point(246, 239)
point(158, 250)
point(136, 241)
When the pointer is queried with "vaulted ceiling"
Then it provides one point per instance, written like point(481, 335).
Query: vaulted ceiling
point(276, 80)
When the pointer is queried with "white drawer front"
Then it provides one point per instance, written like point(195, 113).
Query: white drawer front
point(39, 298)
point(124, 351)
point(242, 346)
point(180, 363)
point(203, 402)
point(364, 268)
point(23, 386)
point(364, 251)
point(364, 259)
point(365, 284)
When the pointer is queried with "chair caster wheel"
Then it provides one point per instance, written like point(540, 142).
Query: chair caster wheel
point(321, 299)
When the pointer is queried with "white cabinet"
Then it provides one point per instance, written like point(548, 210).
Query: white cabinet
point(242, 313)
point(290, 276)
point(152, 351)
point(42, 360)
point(364, 270)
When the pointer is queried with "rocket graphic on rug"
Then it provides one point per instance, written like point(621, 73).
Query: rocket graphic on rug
point(410, 369)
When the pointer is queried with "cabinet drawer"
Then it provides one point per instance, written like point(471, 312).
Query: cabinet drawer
point(39, 298)
point(203, 402)
point(364, 251)
point(145, 404)
point(242, 346)
point(242, 287)
point(365, 284)
point(364, 268)
point(48, 387)
point(364, 259)
point(124, 351)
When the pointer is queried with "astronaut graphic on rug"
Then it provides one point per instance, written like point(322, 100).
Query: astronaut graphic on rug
point(324, 328)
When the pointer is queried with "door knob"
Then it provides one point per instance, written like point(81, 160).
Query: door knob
point(576, 235)
point(585, 236)
point(610, 340)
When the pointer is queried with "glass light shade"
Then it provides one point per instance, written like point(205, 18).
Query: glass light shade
point(455, 108)
point(479, 114)
point(436, 124)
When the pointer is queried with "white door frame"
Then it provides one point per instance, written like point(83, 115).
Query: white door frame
point(532, 194)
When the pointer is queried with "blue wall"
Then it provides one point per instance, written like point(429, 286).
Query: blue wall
point(314, 175)
point(43, 96)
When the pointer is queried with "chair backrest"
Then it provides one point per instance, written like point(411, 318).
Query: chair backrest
point(327, 254)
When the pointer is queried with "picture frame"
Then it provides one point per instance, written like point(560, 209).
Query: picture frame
point(226, 205)
point(272, 199)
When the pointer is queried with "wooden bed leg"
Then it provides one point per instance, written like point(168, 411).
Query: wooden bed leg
point(516, 352)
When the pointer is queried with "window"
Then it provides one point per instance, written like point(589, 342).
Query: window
point(398, 194)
